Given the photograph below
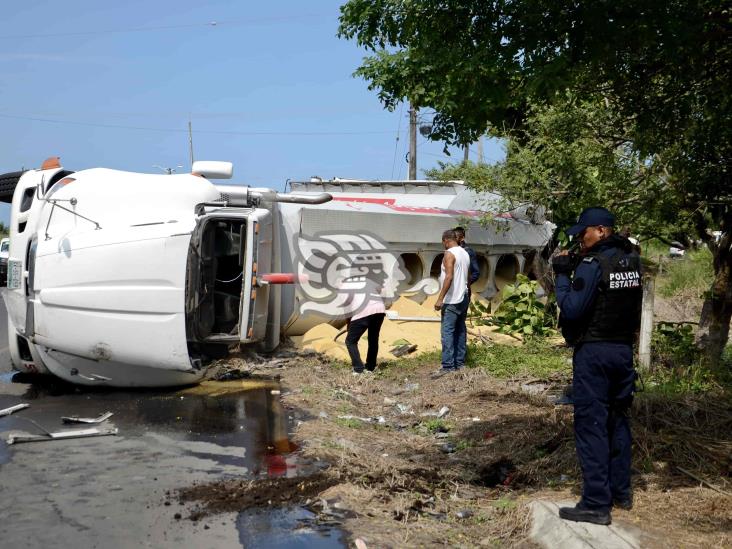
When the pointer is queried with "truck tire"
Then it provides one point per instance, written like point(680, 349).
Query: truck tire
point(8, 182)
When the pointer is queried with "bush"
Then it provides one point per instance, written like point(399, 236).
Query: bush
point(677, 362)
point(520, 311)
point(673, 345)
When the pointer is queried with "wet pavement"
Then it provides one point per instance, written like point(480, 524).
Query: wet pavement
point(115, 491)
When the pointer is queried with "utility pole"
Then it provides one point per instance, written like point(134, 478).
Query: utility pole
point(412, 142)
point(466, 156)
point(480, 150)
point(190, 141)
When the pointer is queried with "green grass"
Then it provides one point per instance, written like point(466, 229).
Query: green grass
point(463, 444)
point(690, 379)
point(688, 277)
point(504, 503)
point(436, 425)
point(536, 358)
point(351, 423)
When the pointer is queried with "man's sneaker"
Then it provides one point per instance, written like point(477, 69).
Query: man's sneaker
point(441, 372)
point(356, 372)
point(623, 503)
point(580, 514)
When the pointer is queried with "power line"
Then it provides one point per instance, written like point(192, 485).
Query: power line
point(438, 155)
point(184, 130)
point(209, 24)
point(396, 145)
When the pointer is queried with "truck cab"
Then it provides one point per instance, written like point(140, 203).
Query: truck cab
point(127, 279)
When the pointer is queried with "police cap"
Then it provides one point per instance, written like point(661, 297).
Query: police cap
point(592, 217)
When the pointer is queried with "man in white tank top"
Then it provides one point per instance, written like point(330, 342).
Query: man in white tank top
point(453, 301)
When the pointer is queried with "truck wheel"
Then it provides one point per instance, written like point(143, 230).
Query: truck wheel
point(8, 182)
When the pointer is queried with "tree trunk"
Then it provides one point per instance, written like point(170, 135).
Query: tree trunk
point(717, 310)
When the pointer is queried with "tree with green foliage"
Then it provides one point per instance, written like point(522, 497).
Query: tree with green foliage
point(662, 68)
point(565, 157)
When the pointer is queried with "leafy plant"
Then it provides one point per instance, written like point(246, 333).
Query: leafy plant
point(436, 425)
point(673, 345)
point(520, 311)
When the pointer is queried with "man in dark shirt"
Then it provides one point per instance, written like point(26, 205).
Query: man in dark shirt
point(474, 273)
point(599, 295)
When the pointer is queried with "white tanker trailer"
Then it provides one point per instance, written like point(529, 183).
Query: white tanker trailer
point(136, 280)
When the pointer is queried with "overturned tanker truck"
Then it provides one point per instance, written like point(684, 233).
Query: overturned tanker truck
point(127, 279)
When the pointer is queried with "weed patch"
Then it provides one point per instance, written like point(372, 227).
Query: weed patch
point(351, 423)
point(687, 277)
point(536, 358)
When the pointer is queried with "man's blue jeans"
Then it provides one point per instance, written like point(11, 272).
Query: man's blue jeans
point(454, 333)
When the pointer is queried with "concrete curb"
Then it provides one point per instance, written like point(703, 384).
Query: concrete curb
point(548, 530)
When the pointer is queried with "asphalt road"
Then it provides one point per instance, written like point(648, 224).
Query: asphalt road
point(119, 491)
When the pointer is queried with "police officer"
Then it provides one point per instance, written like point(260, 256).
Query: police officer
point(599, 295)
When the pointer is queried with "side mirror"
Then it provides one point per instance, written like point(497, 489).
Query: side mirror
point(213, 169)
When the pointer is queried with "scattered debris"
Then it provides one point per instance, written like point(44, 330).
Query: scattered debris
point(448, 448)
point(13, 409)
point(443, 412)
point(92, 420)
point(233, 375)
point(534, 388)
point(498, 473)
point(404, 408)
point(381, 420)
point(60, 435)
point(465, 513)
point(360, 544)
point(402, 350)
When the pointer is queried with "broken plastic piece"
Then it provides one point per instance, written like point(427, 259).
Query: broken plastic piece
point(60, 435)
point(76, 419)
point(403, 350)
point(13, 409)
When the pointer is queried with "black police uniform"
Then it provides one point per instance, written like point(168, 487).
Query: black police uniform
point(600, 314)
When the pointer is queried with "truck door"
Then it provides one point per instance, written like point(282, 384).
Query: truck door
point(230, 249)
point(255, 298)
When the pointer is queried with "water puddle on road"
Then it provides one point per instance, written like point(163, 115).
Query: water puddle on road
point(166, 440)
point(289, 528)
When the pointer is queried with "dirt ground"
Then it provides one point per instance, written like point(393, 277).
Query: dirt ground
point(415, 461)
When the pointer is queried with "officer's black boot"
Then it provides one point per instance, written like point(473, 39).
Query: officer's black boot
point(625, 502)
point(579, 513)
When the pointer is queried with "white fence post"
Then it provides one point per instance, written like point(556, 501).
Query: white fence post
point(646, 326)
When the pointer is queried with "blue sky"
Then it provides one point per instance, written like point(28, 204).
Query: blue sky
point(268, 87)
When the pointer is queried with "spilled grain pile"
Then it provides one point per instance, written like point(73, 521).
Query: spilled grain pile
point(425, 334)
